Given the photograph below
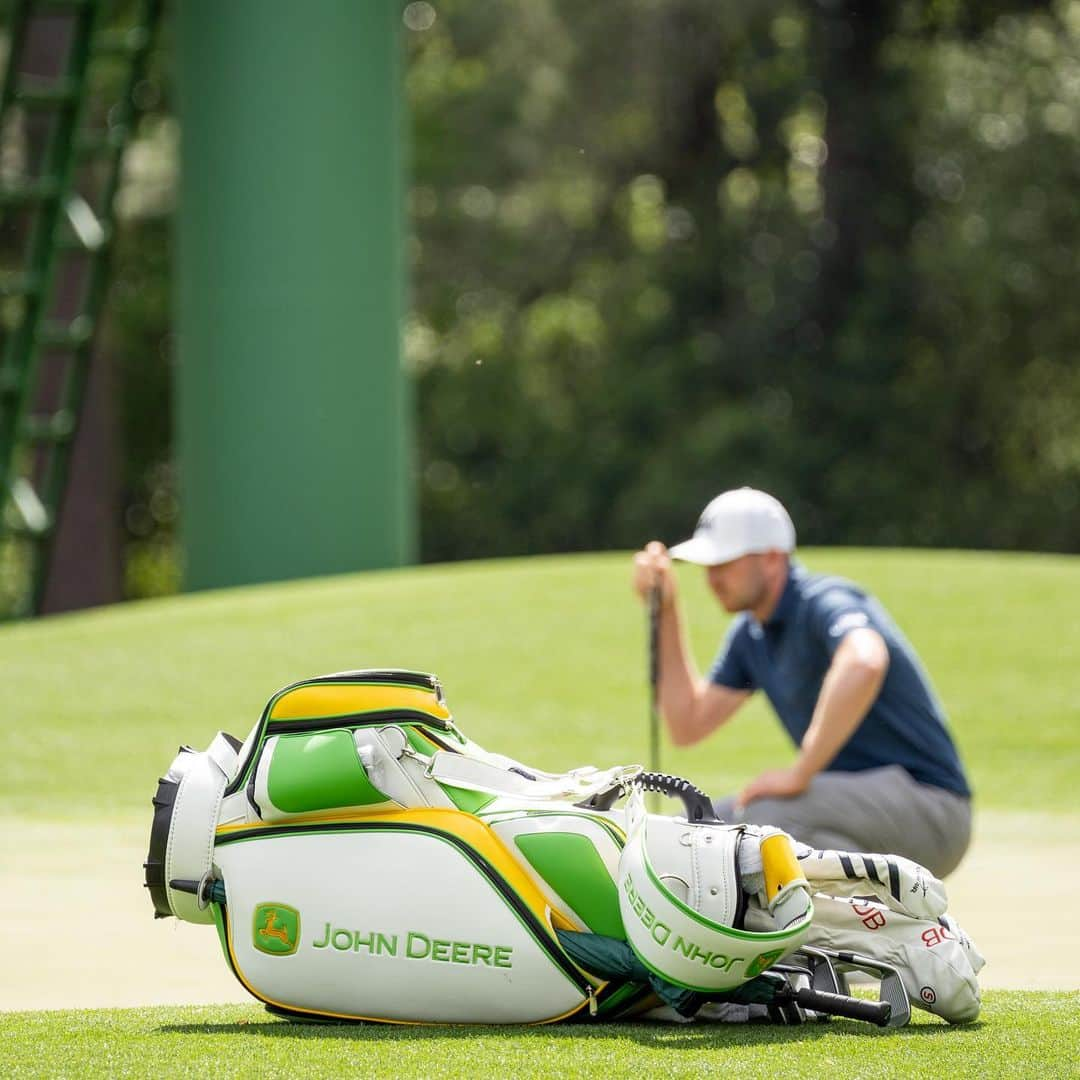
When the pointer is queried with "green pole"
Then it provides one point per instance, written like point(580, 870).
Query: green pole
point(292, 415)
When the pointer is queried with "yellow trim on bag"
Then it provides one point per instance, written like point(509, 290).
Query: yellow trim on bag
point(476, 833)
point(312, 818)
point(424, 738)
point(341, 699)
point(780, 865)
point(560, 922)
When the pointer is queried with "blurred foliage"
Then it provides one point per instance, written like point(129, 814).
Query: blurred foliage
point(135, 334)
point(139, 338)
point(822, 248)
point(996, 254)
point(825, 248)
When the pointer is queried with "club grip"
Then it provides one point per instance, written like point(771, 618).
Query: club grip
point(873, 1012)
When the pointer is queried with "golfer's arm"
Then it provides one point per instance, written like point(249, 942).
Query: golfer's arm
point(691, 707)
point(850, 687)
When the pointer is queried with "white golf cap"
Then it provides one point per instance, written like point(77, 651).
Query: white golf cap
point(740, 522)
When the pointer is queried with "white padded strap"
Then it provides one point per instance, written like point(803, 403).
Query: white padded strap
point(467, 772)
point(189, 853)
point(399, 774)
point(223, 755)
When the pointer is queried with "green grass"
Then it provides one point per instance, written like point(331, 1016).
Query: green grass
point(543, 659)
point(1018, 1035)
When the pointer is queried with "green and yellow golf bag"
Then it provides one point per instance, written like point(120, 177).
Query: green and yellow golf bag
point(363, 860)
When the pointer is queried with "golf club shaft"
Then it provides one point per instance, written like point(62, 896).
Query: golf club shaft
point(654, 682)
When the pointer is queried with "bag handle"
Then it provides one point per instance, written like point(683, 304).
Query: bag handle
point(698, 805)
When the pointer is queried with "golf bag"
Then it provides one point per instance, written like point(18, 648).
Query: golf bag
point(363, 860)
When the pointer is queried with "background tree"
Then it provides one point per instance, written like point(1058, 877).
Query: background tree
point(824, 248)
point(704, 253)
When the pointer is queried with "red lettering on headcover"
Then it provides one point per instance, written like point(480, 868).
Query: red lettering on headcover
point(872, 917)
point(935, 936)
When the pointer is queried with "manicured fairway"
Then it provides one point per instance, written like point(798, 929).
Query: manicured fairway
point(1020, 1035)
point(542, 659)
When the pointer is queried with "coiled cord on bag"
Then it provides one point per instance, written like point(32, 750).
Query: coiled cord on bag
point(697, 804)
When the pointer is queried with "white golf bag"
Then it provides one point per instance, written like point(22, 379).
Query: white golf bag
point(364, 860)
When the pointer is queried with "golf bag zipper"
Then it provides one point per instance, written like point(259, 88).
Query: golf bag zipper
point(364, 719)
point(384, 676)
point(377, 677)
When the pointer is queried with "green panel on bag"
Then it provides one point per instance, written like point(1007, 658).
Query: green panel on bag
point(318, 772)
point(472, 802)
point(418, 742)
point(572, 866)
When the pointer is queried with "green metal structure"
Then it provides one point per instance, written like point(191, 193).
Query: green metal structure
point(292, 406)
point(67, 110)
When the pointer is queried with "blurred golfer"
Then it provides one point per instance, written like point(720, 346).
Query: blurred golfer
point(876, 769)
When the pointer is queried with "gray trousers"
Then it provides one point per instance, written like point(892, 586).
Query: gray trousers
point(880, 810)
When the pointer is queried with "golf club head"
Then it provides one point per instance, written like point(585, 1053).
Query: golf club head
point(824, 975)
point(891, 987)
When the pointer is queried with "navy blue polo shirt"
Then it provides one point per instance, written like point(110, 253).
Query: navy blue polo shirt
point(788, 656)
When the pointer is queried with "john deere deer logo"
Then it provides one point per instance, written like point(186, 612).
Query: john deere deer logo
point(276, 929)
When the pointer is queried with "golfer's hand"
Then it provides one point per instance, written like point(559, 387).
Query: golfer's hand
point(652, 567)
point(774, 784)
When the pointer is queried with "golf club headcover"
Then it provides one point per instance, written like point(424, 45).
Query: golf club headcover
point(683, 902)
point(898, 883)
point(937, 961)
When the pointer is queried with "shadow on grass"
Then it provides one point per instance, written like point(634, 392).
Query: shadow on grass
point(656, 1034)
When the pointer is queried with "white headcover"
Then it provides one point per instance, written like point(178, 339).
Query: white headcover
point(889, 908)
point(899, 883)
point(937, 961)
point(679, 894)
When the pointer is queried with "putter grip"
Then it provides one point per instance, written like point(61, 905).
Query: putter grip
point(873, 1012)
point(654, 640)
